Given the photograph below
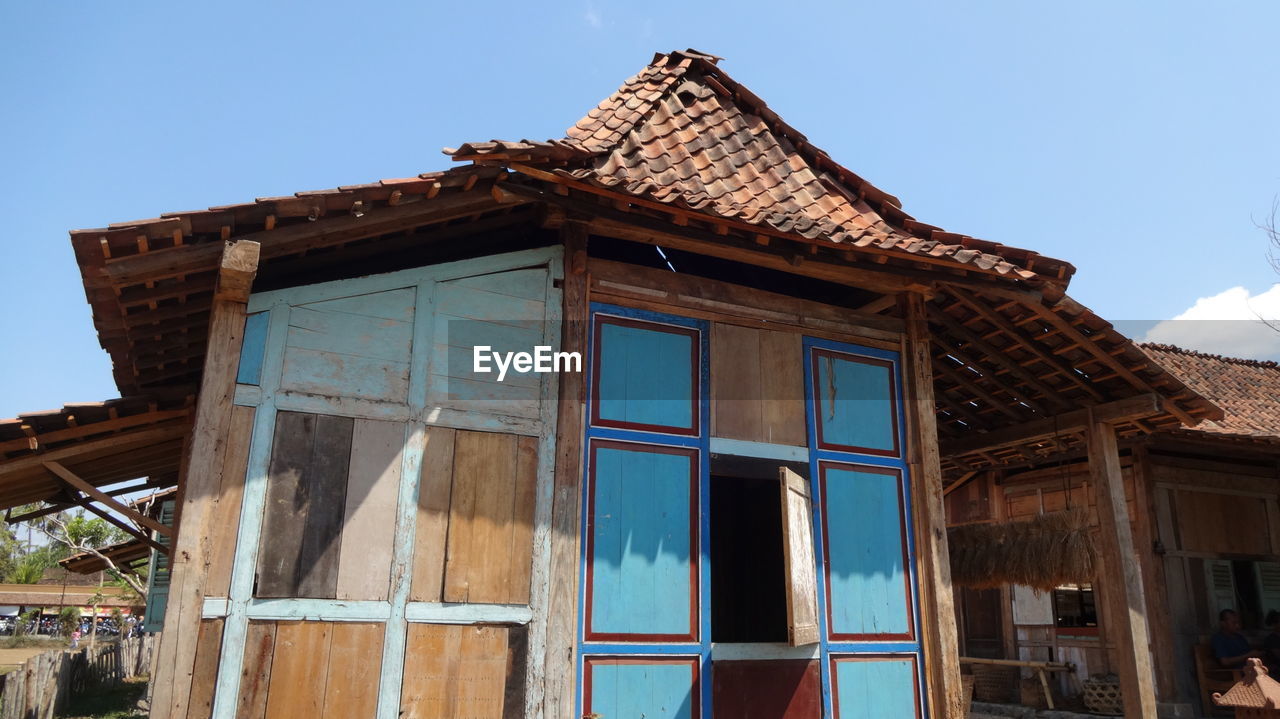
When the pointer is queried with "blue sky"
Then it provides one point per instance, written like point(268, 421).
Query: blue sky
point(1137, 140)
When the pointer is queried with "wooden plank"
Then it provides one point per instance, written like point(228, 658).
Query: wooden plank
point(736, 383)
point(368, 526)
point(299, 669)
point(515, 691)
point(520, 555)
point(355, 658)
point(204, 676)
point(455, 671)
point(780, 689)
point(782, 414)
point(481, 521)
point(255, 674)
point(877, 687)
point(1127, 622)
point(939, 637)
point(189, 559)
point(798, 556)
point(559, 669)
point(434, 497)
point(306, 494)
point(226, 513)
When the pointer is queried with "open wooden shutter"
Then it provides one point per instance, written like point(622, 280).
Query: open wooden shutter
point(798, 557)
point(158, 579)
point(1221, 584)
point(1268, 574)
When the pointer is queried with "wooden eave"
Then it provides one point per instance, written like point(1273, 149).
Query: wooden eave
point(104, 448)
point(123, 555)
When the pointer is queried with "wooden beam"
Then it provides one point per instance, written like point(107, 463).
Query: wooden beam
point(75, 482)
point(205, 256)
point(92, 448)
point(1072, 422)
point(939, 636)
point(129, 529)
point(1127, 619)
point(205, 456)
point(1025, 340)
point(559, 684)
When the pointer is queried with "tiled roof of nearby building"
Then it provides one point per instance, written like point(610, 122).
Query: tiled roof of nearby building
point(683, 133)
point(1248, 391)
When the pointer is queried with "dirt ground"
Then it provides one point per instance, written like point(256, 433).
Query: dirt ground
point(11, 659)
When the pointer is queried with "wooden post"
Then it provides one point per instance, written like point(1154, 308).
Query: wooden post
point(1159, 618)
point(1127, 620)
point(562, 606)
point(192, 548)
point(937, 602)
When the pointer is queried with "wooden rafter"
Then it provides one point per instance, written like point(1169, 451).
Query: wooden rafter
point(996, 355)
point(1026, 341)
point(1072, 422)
point(75, 483)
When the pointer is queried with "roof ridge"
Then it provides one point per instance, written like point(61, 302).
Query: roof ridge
point(1243, 361)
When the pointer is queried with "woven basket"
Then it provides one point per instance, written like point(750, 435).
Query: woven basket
point(995, 684)
point(1102, 696)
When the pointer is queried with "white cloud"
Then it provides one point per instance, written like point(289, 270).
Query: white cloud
point(593, 17)
point(1228, 323)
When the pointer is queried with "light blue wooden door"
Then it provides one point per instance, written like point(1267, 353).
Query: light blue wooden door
point(875, 687)
point(641, 689)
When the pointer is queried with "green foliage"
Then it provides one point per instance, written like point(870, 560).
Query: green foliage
point(91, 532)
point(68, 620)
point(29, 568)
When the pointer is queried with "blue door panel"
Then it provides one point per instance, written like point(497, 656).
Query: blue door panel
point(866, 576)
point(642, 542)
point(881, 688)
point(642, 690)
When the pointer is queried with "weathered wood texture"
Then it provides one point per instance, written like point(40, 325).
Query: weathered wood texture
point(351, 347)
point(504, 311)
point(306, 499)
point(757, 385)
point(453, 672)
point(938, 634)
point(41, 686)
point(798, 559)
point(559, 667)
point(368, 523)
point(474, 541)
point(226, 512)
point(202, 482)
point(205, 676)
point(325, 670)
point(1127, 622)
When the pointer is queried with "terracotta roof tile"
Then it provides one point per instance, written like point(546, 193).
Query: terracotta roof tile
point(1248, 391)
point(682, 132)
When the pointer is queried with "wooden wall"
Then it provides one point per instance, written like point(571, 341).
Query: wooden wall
point(381, 539)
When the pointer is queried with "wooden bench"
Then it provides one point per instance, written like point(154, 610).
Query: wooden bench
point(1212, 677)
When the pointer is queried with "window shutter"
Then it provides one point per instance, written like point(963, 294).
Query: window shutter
point(158, 581)
point(1221, 585)
point(1268, 574)
point(797, 550)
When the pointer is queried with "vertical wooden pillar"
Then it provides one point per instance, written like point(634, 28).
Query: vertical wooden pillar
point(562, 607)
point(1127, 620)
point(193, 545)
point(1159, 620)
point(937, 602)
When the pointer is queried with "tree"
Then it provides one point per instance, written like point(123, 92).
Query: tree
point(89, 535)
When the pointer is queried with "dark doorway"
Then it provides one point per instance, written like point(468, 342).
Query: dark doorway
point(748, 589)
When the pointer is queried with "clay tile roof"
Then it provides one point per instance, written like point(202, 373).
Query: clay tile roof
point(1255, 691)
point(1248, 391)
point(683, 133)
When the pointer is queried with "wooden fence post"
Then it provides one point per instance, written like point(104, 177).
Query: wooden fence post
point(1127, 618)
point(190, 557)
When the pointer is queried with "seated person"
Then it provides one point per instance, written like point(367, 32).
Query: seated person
point(1230, 646)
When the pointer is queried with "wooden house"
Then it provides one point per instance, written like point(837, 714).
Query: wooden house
point(1204, 508)
point(733, 509)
